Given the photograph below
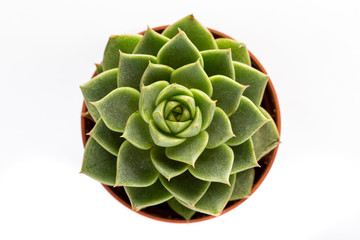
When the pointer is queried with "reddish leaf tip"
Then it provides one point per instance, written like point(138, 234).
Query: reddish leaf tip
point(181, 32)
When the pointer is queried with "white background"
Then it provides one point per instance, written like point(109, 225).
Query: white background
point(310, 50)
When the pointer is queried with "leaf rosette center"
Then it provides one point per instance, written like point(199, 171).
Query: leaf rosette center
point(175, 116)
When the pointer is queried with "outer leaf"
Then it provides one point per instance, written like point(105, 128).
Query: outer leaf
point(214, 164)
point(98, 163)
point(181, 209)
point(131, 69)
point(243, 184)
point(137, 132)
point(123, 43)
point(134, 167)
point(172, 90)
point(266, 138)
point(154, 73)
point(167, 167)
point(256, 80)
point(192, 76)
point(148, 97)
point(244, 157)
point(218, 62)
point(216, 198)
point(116, 107)
point(238, 50)
point(206, 105)
point(245, 121)
point(162, 139)
point(178, 52)
point(198, 34)
point(194, 128)
point(151, 43)
point(97, 88)
point(219, 130)
point(189, 151)
point(108, 139)
point(141, 197)
point(227, 93)
point(186, 187)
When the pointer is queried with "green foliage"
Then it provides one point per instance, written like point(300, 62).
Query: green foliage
point(178, 119)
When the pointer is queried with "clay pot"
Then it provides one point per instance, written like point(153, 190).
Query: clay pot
point(163, 212)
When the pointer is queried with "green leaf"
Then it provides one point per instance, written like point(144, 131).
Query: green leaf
point(154, 73)
point(131, 69)
point(244, 157)
point(98, 163)
point(186, 187)
point(220, 129)
point(206, 105)
point(116, 107)
point(216, 198)
point(176, 127)
point(192, 76)
point(99, 68)
point(142, 197)
point(162, 139)
point(214, 164)
point(170, 105)
point(266, 138)
point(167, 167)
point(187, 101)
point(194, 128)
point(255, 79)
point(238, 50)
point(227, 93)
point(134, 167)
point(151, 43)
point(172, 90)
point(198, 34)
point(158, 116)
point(123, 43)
point(218, 62)
point(178, 52)
point(137, 132)
point(108, 139)
point(243, 184)
point(148, 97)
point(97, 88)
point(245, 121)
point(181, 209)
point(189, 151)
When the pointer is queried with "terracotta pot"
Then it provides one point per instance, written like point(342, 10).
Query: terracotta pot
point(163, 212)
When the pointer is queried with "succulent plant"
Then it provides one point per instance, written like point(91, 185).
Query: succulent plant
point(178, 119)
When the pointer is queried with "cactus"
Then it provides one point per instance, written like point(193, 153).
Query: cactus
point(178, 119)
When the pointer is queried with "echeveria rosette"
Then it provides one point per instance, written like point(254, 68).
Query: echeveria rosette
point(178, 119)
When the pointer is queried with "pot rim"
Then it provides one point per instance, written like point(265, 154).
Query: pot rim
point(277, 120)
